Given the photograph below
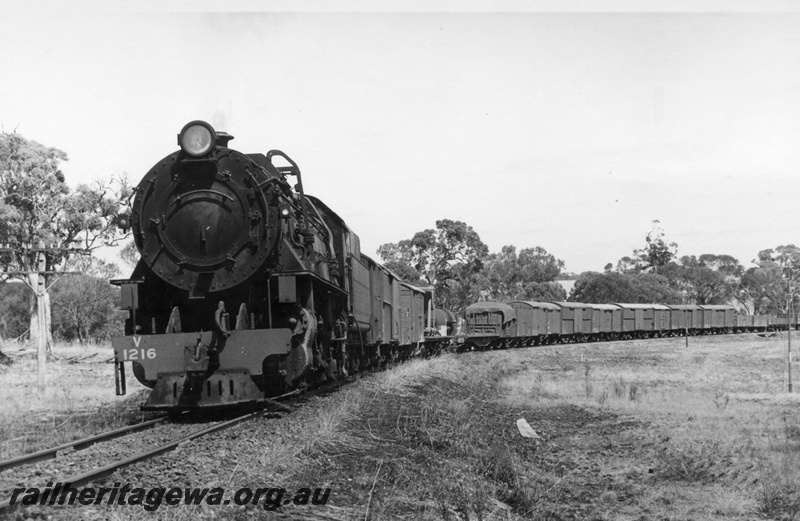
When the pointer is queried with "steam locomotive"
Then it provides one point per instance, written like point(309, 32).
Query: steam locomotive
point(248, 288)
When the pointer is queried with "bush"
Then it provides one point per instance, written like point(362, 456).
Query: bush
point(84, 308)
point(15, 298)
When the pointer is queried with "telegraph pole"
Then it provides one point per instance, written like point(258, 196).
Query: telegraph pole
point(789, 332)
point(789, 356)
point(684, 316)
point(40, 292)
point(789, 347)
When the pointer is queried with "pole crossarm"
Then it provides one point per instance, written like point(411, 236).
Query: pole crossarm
point(5, 248)
point(17, 273)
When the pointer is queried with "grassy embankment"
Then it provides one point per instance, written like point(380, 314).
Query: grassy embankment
point(631, 430)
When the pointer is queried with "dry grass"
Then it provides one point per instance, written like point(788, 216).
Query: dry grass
point(717, 413)
point(425, 441)
point(631, 430)
point(80, 399)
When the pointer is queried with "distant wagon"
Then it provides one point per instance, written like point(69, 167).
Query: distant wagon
point(644, 320)
point(576, 321)
point(489, 322)
point(606, 321)
point(537, 323)
point(719, 319)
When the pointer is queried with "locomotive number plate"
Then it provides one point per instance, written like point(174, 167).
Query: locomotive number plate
point(138, 354)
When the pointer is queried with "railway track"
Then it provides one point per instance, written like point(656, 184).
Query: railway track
point(84, 443)
point(278, 404)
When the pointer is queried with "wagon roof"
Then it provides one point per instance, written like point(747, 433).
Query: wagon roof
point(530, 303)
point(493, 307)
point(572, 305)
point(685, 306)
point(641, 306)
point(612, 307)
point(719, 307)
point(417, 289)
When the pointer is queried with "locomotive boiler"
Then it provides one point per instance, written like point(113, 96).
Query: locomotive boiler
point(247, 287)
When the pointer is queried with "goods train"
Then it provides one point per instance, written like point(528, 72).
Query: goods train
point(248, 288)
point(517, 323)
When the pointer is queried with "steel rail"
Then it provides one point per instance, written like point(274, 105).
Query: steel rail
point(101, 472)
point(109, 469)
point(77, 445)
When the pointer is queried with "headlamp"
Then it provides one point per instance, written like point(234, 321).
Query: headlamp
point(197, 138)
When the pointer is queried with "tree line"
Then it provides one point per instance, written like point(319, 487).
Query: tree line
point(457, 264)
point(453, 259)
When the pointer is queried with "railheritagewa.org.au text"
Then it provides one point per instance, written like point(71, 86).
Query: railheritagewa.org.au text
point(152, 499)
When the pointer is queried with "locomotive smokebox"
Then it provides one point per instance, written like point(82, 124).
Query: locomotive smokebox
point(205, 219)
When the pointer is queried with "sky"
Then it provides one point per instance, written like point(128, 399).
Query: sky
point(566, 125)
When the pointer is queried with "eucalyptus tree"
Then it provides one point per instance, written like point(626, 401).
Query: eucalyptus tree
point(37, 206)
point(447, 258)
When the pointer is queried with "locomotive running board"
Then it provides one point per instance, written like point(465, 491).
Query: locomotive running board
point(245, 349)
